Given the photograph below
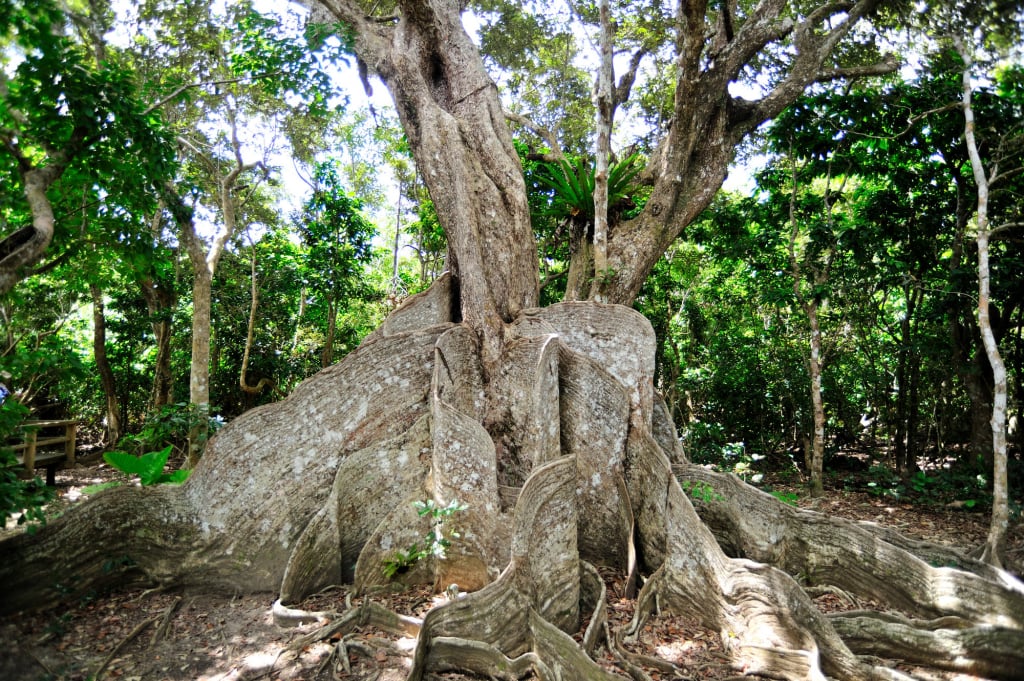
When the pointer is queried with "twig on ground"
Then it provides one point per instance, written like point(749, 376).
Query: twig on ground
point(49, 672)
point(113, 653)
point(161, 631)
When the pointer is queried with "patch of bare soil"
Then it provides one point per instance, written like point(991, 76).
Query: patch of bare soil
point(138, 635)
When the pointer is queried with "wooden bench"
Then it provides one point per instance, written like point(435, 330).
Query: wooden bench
point(49, 444)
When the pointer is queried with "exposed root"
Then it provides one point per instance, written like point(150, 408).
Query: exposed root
point(822, 589)
point(459, 654)
point(367, 614)
point(636, 660)
point(625, 661)
point(768, 624)
point(317, 490)
point(293, 617)
point(507, 627)
point(866, 563)
point(593, 596)
point(947, 643)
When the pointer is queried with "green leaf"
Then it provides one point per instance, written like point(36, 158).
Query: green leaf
point(175, 478)
point(125, 462)
point(149, 467)
point(93, 489)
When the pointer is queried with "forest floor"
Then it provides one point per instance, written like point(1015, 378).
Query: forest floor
point(137, 635)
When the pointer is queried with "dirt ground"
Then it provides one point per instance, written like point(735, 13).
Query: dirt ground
point(139, 635)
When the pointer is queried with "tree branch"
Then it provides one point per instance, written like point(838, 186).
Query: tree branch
point(625, 84)
point(853, 72)
point(202, 83)
point(544, 133)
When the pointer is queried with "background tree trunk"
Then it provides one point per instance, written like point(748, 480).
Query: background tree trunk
point(160, 304)
point(112, 416)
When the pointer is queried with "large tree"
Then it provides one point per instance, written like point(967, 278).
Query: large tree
point(540, 424)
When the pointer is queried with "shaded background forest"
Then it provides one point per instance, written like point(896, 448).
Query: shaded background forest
point(859, 205)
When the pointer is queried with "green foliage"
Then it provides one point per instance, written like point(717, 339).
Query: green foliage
point(788, 498)
point(731, 333)
point(168, 429)
point(701, 491)
point(943, 486)
point(23, 497)
point(434, 544)
point(149, 467)
point(288, 66)
point(74, 110)
point(338, 238)
point(573, 186)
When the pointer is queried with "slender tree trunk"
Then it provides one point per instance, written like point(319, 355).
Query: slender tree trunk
point(967, 356)
point(199, 374)
point(160, 297)
point(112, 414)
point(814, 453)
point(817, 403)
point(254, 298)
point(914, 407)
point(396, 283)
point(604, 100)
point(204, 265)
point(900, 436)
point(298, 317)
point(327, 356)
point(160, 305)
point(995, 545)
point(907, 379)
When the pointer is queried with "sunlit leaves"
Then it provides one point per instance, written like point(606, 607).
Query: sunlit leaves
point(66, 110)
point(338, 238)
point(295, 67)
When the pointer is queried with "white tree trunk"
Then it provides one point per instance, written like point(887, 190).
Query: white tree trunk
point(995, 545)
point(603, 99)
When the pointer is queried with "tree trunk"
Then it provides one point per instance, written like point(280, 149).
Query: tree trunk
point(250, 333)
point(204, 265)
point(604, 105)
point(318, 489)
point(580, 277)
point(817, 451)
point(908, 375)
point(995, 545)
point(160, 304)
point(26, 247)
point(112, 415)
point(449, 108)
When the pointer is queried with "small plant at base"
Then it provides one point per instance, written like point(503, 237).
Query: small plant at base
point(786, 497)
point(701, 491)
point(149, 467)
point(434, 542)
point(606, 276)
